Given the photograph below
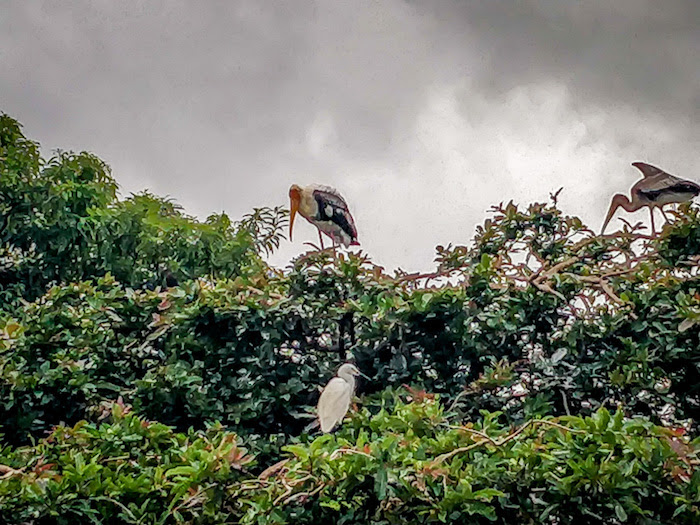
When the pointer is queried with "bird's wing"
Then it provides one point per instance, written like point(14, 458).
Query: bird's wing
point(648, 170)
point(332, 207)
point(652, 186)
point(333, 403)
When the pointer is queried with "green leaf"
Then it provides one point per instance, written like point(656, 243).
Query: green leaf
point(183, 470)
point(381, 481)
point(488, 494)
point(298, 451)
point(331, 504)
point(620, 513)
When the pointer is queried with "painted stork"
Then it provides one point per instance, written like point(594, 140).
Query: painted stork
point(326, 209)
point(655, 190)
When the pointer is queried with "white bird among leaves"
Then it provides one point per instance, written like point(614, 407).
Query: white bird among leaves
point(326, 209)
point(655, 190)
point(335, 398)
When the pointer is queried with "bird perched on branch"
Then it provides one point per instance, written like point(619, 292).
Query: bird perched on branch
point(335, 398)
point(655, 190)
point(326, 209)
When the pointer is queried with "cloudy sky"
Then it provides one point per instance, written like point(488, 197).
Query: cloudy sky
point(423, 114)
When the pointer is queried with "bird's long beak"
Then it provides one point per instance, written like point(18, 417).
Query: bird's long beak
point(364, 375)
point(614, 205)
point(293, 208)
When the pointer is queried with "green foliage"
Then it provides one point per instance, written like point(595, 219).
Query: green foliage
point(408, 465)
point(60, 220)
point(149, 236)
point(538, 324)
point(393, 462)
point(128, 471)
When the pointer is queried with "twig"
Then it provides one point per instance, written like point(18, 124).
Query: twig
point(192, 500)
point(560, 266)
point(456, 451)
point(8, 472)
point(418, 276)
point(610, 293)
point(117, 503)
point(339, 451)
point(254, 481)
point(602, 284)
point(457, 398)
point(516, 433)
point(566, 403)
point(557, 425)
point(307, 494)
point(290, 488)
point(591, 513)
point(547, 288)
point(269, 471)
point(666, 491)
point(501, 442)
point(287, 492)
point(482, 435)
point(615, 273)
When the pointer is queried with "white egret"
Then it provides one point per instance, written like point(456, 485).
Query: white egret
point(335, 398)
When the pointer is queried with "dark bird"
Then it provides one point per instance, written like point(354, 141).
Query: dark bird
point(326, 209)
point(170, 280)
point(655, 190)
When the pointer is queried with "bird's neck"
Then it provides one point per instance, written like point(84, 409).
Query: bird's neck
point(307, 205)
point(628, 205)
point(350, 380)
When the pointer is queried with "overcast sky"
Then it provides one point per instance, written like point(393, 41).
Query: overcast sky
point(423, 114)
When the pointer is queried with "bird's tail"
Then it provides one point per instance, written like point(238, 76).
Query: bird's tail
point(311, 426)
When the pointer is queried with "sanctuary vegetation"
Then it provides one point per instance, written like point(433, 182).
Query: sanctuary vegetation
point(154, 368)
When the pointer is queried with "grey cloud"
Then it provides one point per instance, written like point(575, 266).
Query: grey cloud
point(422, 113)
point(636, 52)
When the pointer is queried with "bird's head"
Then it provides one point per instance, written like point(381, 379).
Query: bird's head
point(348, 370)
point(294, 200)
point(617, 201)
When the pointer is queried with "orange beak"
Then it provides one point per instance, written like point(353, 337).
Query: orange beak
point(614, 205)
point(293, 208)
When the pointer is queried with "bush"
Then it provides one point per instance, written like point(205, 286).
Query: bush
point(408, 465)
point(127, 471)
point(394, 462)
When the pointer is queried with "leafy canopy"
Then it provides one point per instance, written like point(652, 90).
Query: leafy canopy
point(172, 369)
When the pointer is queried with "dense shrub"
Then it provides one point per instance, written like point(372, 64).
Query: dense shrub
point(392, 463)
point(129, 470)
point(408, 465)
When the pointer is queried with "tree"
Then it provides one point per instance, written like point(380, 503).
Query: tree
point(550, 373)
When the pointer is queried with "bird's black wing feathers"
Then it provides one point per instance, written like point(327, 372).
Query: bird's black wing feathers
point(333, 208)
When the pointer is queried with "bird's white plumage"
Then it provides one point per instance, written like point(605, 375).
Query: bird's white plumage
point(334, 403)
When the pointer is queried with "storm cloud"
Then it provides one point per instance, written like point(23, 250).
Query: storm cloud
point(423, 114)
